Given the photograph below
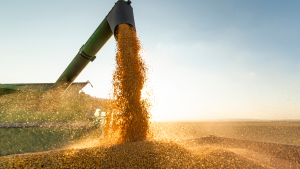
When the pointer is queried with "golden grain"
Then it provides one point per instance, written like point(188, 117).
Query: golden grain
point(144, 154)
point(128, 114)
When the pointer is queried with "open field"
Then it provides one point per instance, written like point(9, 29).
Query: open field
point(273, 132)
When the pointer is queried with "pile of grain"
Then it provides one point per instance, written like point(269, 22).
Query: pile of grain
point(145, 154)
point(128, 115)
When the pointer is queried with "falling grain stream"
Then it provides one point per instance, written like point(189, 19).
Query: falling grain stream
point(128, 115)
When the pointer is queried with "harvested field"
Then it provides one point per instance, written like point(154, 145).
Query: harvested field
point(282, 132)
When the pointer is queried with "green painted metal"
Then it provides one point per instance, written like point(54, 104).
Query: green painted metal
point(122, 12)
point(34, 87)
point(85, 55)
point(98, 39)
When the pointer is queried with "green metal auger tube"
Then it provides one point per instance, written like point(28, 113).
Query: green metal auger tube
point(122, 12)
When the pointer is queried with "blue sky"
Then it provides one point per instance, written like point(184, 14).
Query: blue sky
point(209, 59)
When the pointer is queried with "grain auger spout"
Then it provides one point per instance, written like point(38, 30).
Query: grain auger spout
point(122, 12)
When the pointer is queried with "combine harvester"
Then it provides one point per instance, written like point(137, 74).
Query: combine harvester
point(48, 97)
point(38, 106)
point(36, 110)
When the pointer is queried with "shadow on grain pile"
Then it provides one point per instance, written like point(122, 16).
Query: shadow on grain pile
point(146, 154)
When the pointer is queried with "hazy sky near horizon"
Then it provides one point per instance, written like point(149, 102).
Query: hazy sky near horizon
point(209, 59)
